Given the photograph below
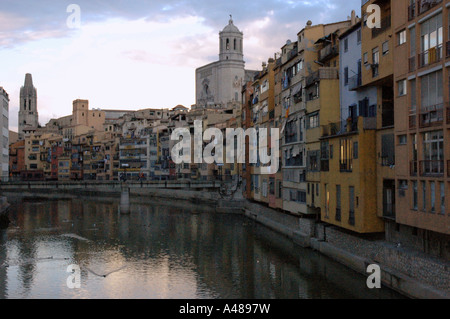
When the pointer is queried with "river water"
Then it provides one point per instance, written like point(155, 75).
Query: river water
point(159, 251)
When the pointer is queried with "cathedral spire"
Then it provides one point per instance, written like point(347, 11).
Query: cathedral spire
point(28, 80)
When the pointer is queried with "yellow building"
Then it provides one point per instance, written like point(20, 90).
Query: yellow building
point(348, 176)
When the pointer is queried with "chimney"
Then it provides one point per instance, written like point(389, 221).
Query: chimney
point(353, 18)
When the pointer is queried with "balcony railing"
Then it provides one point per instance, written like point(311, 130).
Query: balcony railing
point(354, 82)
point(432, 115)
point(431, 168)
point(328, 52)
point(413, 168)
point(412, 64)
point(322, 73)
point(430, 56)
point(411, 12)
point(385, 25)
point(425, 5)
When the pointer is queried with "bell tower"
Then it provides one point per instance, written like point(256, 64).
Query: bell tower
point(231, 43)
point(28, 114)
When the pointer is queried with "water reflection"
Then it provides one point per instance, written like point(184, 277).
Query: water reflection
point(159, 251)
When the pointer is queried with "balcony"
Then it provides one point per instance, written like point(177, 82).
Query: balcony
point(385, 25)
point(332, 129)
point(322, 74)
point(431, 168)
point(411, 12)
point(354, 82)
point(430, 56)
point(432, 116)
point(413, 168)
point(328, 52)
point(425, 5)
point(412, 64)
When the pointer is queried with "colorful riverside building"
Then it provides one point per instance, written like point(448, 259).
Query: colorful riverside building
point(321, 95)
point(422, 124)
point(262, 117)
point(348, 146)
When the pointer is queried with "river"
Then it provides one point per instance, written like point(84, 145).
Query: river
point(160, 251)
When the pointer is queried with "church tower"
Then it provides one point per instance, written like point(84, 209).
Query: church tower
point(231, 43)
point(220, 82)
point(28, 115)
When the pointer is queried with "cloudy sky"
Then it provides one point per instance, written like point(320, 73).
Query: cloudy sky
point(137, 54)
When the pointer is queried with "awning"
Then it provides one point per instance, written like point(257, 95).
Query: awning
point(297, 89)
point(283, 127)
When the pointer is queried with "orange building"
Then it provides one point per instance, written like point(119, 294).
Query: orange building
point(16, 159)
point(422, 124)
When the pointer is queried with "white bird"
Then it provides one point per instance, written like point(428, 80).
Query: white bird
point(105, 275)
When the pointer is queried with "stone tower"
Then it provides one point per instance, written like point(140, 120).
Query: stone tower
point(28, 114)
point(231, 43)
point(220, 82)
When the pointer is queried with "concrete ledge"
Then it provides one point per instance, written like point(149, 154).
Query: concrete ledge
point(408, 286)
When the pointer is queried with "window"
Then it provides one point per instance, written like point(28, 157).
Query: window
point(385, 47)
point(412, 89)
point(431, 36)
point(346, 155)
point(433, 196)
point(346, 45)
point(401, 37)
point(313, 161)
point(401, 87)
point(366, 58)
point(402, 139)
point(355, 150)
point(358, 36)
point(442, 193)
point(433, 153)
point(351, 195)
point(402, 186)
point(415, 205)
point(387, 150)
point(424, 196)
point(313, 121)
point(431, 89)
point(375, 61)
point(279, 188)
point(338, 203)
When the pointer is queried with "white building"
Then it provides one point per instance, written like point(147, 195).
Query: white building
point(220, 82)
point(4, 104)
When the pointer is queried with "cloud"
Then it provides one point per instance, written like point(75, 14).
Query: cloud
point(136, 54)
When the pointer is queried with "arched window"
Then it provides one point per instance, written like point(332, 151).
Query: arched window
point(228, 44)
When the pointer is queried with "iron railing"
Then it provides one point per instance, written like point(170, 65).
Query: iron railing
point(430, 56)
point(432, 115)
point(431, 167)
